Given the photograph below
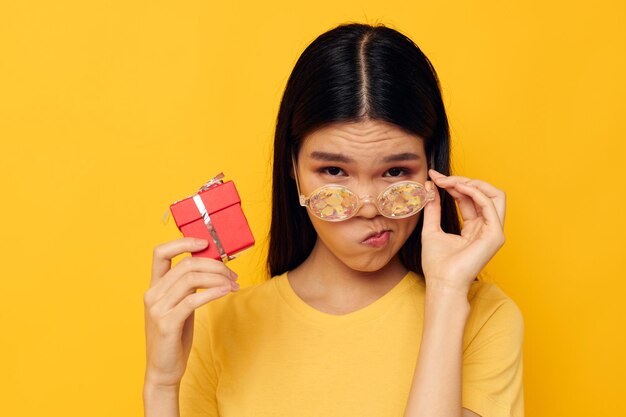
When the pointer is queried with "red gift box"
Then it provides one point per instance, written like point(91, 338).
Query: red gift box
point(214, 214)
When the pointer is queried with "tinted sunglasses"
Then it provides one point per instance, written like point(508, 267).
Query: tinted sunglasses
point(335, 203)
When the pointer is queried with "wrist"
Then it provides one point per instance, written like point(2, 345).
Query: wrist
point(152, 387)
point(160, 401)
point(443, 286)
point(163, 381)
point(451, 299)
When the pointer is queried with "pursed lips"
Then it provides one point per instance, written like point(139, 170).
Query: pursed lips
point(376, 234)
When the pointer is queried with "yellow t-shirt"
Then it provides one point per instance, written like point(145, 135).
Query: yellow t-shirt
point(264, 352)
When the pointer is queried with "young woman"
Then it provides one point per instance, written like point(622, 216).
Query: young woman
point(374, 308)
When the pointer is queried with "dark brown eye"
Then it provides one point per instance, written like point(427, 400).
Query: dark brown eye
point(334, 171)
point(395, 172)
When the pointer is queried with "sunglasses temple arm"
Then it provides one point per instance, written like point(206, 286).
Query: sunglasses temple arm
point(295, 175)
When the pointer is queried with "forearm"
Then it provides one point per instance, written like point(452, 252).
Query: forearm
point(160, 402)
point(436, 389)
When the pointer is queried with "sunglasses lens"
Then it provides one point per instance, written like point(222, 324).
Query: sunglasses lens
point(402, 200)
point(333, 203)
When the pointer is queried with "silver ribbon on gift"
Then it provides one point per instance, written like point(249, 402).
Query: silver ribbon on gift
point(209, 225)
point(205, 215)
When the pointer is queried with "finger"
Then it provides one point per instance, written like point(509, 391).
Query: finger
point(486, 188)
point(163, 254)
point(188, 284)
point(177, 316)
point(192, 264)
point(498, 196)
point(485, 204)
point(466, 205)
point(432, 212)
point(433, 173)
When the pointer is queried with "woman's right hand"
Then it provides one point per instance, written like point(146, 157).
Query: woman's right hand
point(170, 303)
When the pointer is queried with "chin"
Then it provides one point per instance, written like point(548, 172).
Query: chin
point(368, 263)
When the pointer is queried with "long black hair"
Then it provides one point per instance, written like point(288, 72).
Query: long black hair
point(352, 73)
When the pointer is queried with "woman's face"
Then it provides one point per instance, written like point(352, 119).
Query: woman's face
point(365, 157)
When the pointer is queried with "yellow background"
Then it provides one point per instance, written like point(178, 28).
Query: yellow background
point(109, 111)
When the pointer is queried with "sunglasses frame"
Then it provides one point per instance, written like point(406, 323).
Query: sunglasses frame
point(304, 201)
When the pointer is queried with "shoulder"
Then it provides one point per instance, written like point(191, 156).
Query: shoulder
point(493, 312)
point(487, 296)
point(493, 353)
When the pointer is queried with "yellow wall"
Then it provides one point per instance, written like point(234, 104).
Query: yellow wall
point(109, 111)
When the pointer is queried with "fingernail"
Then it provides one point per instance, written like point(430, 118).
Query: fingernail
point(234, 285)
point(201, 242)
point(233, 274)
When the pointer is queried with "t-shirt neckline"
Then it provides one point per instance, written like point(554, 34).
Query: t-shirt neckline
point(369, 312)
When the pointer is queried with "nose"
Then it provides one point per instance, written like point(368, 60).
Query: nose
point(368, 192)
point(368, 208)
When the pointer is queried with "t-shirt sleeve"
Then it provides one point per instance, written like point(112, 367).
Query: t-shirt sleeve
point(492, 362)
point(198, 385)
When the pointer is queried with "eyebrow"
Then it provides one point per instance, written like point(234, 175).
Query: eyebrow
point(337, 157)
point(331, 157)
point(406, 156)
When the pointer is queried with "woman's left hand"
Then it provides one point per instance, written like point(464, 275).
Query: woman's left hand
point(450, 261)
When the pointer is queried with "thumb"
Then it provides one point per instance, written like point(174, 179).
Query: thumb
point(432, 211)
